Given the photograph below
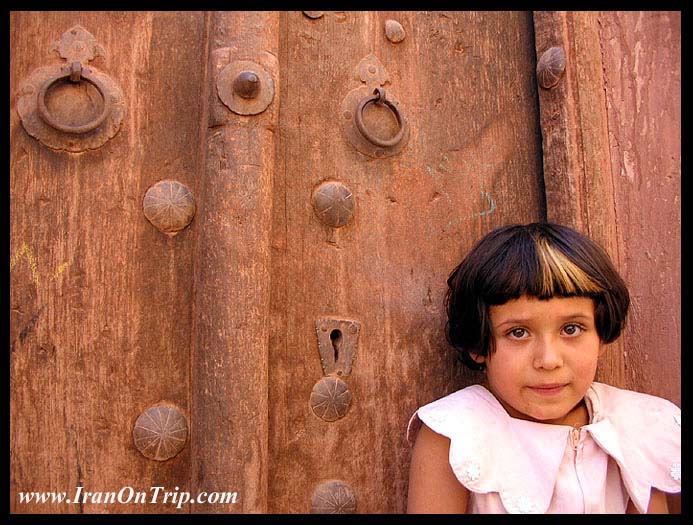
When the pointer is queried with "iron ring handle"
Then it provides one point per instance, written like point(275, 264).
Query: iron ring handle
point(76, 74)
point(379, 97)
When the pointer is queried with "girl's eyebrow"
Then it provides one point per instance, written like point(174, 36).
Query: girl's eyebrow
point(512, 321)
point(570, 317)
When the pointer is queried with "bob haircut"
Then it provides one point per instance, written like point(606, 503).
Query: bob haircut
point(542, 260)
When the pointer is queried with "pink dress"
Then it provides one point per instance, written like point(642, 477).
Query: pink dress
point(631, 443)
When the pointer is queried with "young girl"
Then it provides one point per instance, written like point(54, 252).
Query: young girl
point(534, 306)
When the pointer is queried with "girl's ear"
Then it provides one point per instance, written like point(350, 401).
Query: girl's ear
point(478, 358)
point(602, 348)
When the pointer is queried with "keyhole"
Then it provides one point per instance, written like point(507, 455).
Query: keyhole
point(336, 338)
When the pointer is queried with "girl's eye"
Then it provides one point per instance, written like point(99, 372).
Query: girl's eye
point(517, 333)
point(572, 329)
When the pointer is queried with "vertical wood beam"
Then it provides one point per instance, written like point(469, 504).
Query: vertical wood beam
point(612, 167)
point(230, 357)
point(577, 164)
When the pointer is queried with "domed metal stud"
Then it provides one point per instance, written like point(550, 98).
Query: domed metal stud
point(247, 84)
point(330, 399)
point(333, 203)
point(333, 497)
point(169, 206)
point(551, 67)
point(245, 87)
point(160, 432)
point(394, 31)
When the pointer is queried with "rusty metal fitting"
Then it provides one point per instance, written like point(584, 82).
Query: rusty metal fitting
point(247, 84)
point(379, 97)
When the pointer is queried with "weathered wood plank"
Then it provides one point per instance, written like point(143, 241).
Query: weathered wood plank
point(612, 167)
point(642, 82)
point(101, 301)
point(577, 165)
point(472, 163)
point(232, 275)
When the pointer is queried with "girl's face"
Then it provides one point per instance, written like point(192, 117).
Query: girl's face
point(545, 357)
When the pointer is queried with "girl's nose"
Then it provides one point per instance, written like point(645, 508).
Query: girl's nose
point(547, 354)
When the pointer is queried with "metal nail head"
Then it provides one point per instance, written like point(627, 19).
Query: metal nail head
point(247, 84)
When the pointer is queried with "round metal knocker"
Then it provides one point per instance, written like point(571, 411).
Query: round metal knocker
point(359, 135)
point(57, 127)
point(75, 73)
point(379, 97)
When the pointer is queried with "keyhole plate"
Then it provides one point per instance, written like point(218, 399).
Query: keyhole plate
point(337, 342)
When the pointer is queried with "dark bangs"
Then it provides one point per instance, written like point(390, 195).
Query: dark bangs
point(510, 272)
point(542, 260)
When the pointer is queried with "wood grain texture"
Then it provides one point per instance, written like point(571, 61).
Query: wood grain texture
point(612, 168)
point(101, 304)
point(642, 82)
point(232, 274)
point(611, 133)
point(577, 165)
point(472, 163)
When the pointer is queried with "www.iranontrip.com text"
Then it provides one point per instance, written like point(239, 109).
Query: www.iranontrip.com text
point(128, 495)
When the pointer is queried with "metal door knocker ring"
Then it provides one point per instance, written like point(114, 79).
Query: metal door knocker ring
point(379, 97)
point(75, 73)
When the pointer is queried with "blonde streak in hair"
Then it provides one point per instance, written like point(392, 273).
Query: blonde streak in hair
point(545, 266)
point(554, 271)
point(557, 267)
point(583, 283)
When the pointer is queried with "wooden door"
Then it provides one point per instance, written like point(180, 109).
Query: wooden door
point(241, 263)
point(101, 301)
point(472, 162)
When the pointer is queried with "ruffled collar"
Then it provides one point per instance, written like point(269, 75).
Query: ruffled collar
point(539, 468)
point(630, 427)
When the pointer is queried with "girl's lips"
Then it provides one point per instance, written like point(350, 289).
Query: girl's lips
point(547, 390)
